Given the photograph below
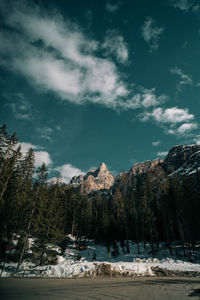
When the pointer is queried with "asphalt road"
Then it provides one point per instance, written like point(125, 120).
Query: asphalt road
point(102, 288)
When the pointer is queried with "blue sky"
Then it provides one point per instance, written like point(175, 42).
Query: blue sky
point(83, 82)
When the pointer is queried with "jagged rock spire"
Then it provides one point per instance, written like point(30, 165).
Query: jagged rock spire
point(98, 179)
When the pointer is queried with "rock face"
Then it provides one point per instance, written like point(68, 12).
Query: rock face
point(94, 180)
point(183, 160)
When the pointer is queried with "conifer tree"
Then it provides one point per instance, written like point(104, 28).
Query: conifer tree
point(28, 200)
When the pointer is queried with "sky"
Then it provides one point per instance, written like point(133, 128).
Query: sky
point(90, 81)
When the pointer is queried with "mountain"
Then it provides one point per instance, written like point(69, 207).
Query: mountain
point(182, 160)
point(94, 180)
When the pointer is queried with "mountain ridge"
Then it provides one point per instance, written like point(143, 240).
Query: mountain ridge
point(181, 160)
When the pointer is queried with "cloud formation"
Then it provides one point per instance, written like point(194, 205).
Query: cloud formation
point(45, 133)
point(172, 115)
point(144, 98)
point(170, 120)
point(185, 79)
point(114, 44)
point(40, 156)
point(55, 55)
point(155, 144)
point(20, 106)
point(113, 7)
point(162, 153)
point(151, 33)
point(183, 129)
point(68, 171)
point(185, 5)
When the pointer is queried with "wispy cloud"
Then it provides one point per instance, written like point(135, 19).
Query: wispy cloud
point(20, 106)
point(45, 133)
point(55, 55)
point(185, 5)
point(152, 33)
point(162, 153)
point(144, 98)
point(157, 143)
point(185, 79)
point(40, 156)
point(113, 7)
point(114, 44)
point(68, 171)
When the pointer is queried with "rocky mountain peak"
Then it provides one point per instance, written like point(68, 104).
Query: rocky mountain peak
point(181, 160)
point(97, 179)
point(102, 167)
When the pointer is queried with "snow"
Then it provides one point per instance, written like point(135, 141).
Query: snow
point(76, 264)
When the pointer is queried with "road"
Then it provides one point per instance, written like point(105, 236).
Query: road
point(101, 288)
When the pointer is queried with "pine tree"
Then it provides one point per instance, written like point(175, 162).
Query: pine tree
point(48, 222)
point(28, 200)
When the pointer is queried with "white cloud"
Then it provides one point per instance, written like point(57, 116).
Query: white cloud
point(155, 144)
point(185, 78)
point(151, 33)
point(20, 106)
point(115, 44)
point(185, 5)
point(162, 153)
point(111, 8)
point(67, 171)
point(197, 140)
point(55, 55)
point(144, 98)
point(40, 156)
point(184, 129)
point(171, 115)
point(181, 4)
point(45, 133)
point(26, 146)
point(169, 119)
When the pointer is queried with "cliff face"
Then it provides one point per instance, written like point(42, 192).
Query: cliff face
point(94, 180)
point(183, 160)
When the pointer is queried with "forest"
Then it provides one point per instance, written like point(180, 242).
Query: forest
point(31, 206)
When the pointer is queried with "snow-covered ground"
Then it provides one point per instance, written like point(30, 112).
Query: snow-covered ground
point(94, 261)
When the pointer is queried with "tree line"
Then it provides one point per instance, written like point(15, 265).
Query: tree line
point(32, 207)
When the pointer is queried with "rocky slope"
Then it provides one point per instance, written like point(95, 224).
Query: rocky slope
point(94, 180)
point(181, 161)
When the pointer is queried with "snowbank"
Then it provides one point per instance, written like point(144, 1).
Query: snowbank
point(94, 261)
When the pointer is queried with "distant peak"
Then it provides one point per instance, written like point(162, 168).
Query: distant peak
point(102, 166)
